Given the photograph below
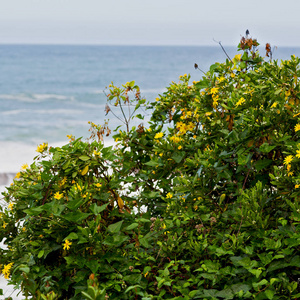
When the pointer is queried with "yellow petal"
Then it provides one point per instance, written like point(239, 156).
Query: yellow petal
point(120, 202)
point(85, 170)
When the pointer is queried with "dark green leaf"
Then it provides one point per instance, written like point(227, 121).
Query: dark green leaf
point(116, 227)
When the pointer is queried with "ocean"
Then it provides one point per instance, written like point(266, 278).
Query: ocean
point(50, 91)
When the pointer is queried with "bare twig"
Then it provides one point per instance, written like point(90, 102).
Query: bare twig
point(223, 49)
point(196, 67)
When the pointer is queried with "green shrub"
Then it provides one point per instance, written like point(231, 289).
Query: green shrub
point(216, 168)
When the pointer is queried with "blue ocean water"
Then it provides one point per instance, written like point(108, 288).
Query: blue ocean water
point(49, 91)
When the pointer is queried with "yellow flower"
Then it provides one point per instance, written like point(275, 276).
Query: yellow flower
point(297, 127)
point(288, 167)
point(10, 206)
point(232, 75)
point(175, 139)
point(159, 135)
point(63, 181)
point(69, 136)
point(296, 115)
point(288, 159)
point(238, 57)
point(179, 147)
point(190, 126)
point(4, 225)
point(58, 196)
point(274, 105)
point(240, 102)
point(6, 270)
point(214, 90)
point(67, 245)
point(169, 196)
point(290, 173)
point(98, 153)
point(297, 186)
point(298, 154)
point(24, 167)
point(41, 148)
point(78, 187)
point(18, 175)
point(98, 185)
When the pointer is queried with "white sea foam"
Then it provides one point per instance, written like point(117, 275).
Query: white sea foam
point(13, 155)
point(35, 97)
point(41, 111)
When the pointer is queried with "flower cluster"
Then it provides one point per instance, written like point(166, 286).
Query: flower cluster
point(41, 148)
point(183, 127)
point(7, 270)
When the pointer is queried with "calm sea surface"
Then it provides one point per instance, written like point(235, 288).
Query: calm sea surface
point(47, 92)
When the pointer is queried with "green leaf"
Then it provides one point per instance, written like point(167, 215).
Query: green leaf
point(213, 67)
point(144, 242)
point(133, 278)
point(240, 287)
point(178, 156)
point(132, 226)
point(132, 287)
point(116, 227)
point(202, 84)
point(143, 220)
point(262, 282)
point(270, 294)
point(266, 148)
point(76, 216)
point(41, 253)
point(84, 157)
point(152, 163)
point(115, 241)
point(34, 211)
point(261, 164)
point(92, 265)
point(24, 268)
point(227, 294)
point(265, 258)
point(71, 236)
point(74, 204)
point(98, 209)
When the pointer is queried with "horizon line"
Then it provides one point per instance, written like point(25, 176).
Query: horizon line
point(128, 45)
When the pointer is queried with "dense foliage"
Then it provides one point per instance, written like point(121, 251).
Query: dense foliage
point(200, 203)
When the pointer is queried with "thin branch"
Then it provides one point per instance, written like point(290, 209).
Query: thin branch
point(223, 49)
point(197, 67)
point(117, 117)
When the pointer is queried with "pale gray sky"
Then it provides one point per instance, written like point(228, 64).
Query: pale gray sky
point(149, 22)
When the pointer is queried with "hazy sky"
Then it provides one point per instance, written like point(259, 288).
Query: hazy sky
point(149, 22)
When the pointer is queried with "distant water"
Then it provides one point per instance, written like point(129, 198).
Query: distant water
point(49, 91)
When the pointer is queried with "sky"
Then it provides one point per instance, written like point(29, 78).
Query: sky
point(148, 22)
